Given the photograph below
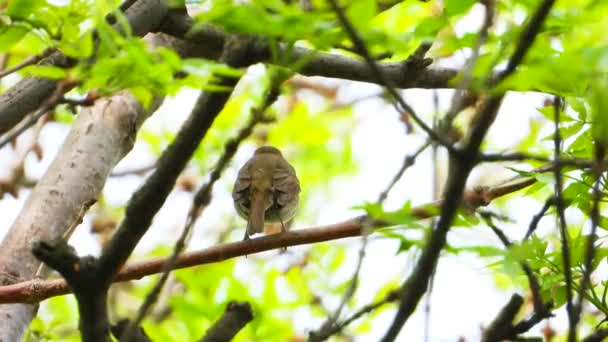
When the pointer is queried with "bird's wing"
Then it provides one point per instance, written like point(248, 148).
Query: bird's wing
point(286, 184)
point(243, 181)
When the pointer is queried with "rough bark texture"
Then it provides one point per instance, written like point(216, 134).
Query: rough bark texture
point(99, 138)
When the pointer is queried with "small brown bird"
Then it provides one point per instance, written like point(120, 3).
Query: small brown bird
point(266, 190)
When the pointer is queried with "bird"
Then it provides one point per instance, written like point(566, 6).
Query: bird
point(266, 190)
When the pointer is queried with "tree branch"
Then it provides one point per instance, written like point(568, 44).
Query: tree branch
point(202, 197)
point(500, 328)
point(460, 167)
point(81, 275)
point(38, 290)
point(590, 248)
point(408, 161)
point(597, 336)
point(28, 61)
point(100, 136)
point(410, 73)
point(563, 228)
point(236, 316)
point(29, 93)
point(146, 201)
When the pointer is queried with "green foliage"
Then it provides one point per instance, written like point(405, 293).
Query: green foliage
point(271, 18)
point(401, 217)
point(57, 321)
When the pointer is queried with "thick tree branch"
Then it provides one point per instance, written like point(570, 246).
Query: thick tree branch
point(100, 136)
point(236, 316)
point(415, 286)
point(46, 106)
point(500, 328)
point(81, 275)
point(37, 290)
point(597, 336)
point(411, 73)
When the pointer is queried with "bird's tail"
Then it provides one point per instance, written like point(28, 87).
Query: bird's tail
point(256, 213)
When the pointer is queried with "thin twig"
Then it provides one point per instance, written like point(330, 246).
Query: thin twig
point(561, 217)
point(134, 171)
point(539, 307)
point(536, 218)
point(27, 62)
point(328, 327)
point(338, 327)
point(467, 74)
point(383, 80)
point(595, 219)
point(48, 105)
point(407, 163)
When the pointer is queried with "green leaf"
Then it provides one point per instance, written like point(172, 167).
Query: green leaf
point(11, 35)
point(559, 296)
point(482, 251)
point(549, 113)
point(402, 216)
point(47, 71)
point(80, 47)
point(599, 110)
point(579, 106)
point(23, 8)
point(457, 7)
point(361, 12)
point(582, 145)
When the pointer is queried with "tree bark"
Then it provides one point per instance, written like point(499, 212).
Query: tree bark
point(99, 138)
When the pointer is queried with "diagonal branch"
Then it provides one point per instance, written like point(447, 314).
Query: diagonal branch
point(460, 167)
point(383, 79)
point(37, 290)
point(203, 195)
point(146, 201)
point(500, 328)
point(236, 316)
point(410, 73)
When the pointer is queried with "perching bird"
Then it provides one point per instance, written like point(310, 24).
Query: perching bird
point(266, 190)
